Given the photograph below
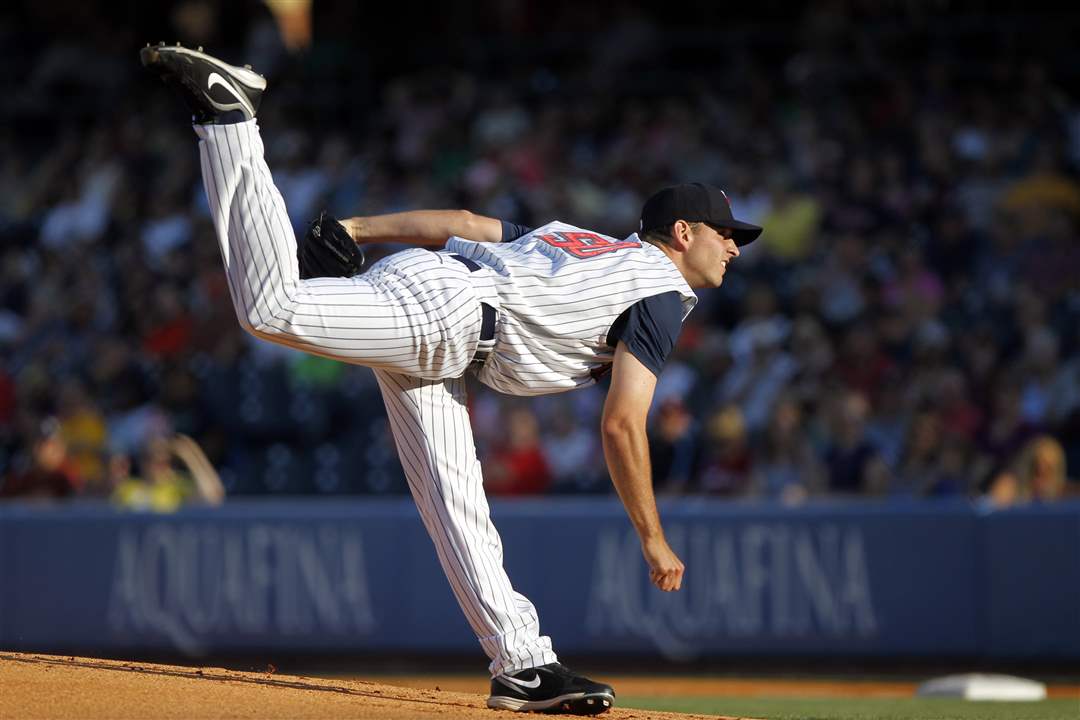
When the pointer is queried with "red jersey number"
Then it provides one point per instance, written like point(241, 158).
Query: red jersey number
point(586, 244)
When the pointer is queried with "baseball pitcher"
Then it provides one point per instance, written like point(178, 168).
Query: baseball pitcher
point(528, 310)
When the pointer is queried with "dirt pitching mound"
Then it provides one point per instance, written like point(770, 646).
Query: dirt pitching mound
point(50, 687)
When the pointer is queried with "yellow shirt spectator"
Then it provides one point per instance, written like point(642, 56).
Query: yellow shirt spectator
point(790, 227)
point(165, 494)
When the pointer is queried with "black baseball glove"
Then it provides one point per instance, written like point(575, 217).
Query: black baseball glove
point(326, 250)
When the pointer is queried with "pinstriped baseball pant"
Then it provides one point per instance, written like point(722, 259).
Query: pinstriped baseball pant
point(414, 318)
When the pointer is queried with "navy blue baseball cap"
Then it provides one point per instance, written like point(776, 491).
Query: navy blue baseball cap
point(695, 202)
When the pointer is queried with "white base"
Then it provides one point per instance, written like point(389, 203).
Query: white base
point(983, 687)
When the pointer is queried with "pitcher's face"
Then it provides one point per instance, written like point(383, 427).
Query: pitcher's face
point(709, 254)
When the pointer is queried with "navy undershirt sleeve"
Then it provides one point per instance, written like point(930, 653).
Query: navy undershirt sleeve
point(512, 231)
point(650, 328)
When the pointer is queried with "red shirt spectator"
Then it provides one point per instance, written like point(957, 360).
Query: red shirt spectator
point(50, 474)
point(519, 467)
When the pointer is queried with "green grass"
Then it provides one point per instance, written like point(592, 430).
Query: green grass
point(860, 708)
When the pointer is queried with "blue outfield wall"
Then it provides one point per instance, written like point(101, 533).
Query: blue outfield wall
point(358, 575)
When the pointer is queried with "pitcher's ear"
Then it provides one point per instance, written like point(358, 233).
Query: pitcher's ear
point(680, 236)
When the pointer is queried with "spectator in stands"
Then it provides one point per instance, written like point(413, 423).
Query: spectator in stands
point(518, 467)
point(854, 464)
point(7, 403)
point(762, 367)
point(1040, 365)
point(792, 221)
point(952, 478)
point(47, 472)
point(673, 447)
point(843, 273)
point(726, 464)
point(788, 468)
point(1006, 433)
point(571, 451)
point(920, 461)
point(83, 428)
point(959, 415)
point(1037, 474)
point(914, 288)
point(887, 426)
point(162, 486)
point(861, 364)
point(812, 349)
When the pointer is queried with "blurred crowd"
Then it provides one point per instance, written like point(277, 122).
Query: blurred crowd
point(908, 325)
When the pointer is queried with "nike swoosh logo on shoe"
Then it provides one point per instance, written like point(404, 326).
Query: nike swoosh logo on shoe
point(215, 79)
point(534, 683)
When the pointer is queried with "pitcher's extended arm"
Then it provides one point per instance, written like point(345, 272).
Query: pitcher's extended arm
point(626, 448)
point(423, 227)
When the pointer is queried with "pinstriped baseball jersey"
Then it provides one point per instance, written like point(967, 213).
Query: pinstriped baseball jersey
point(559, 290)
